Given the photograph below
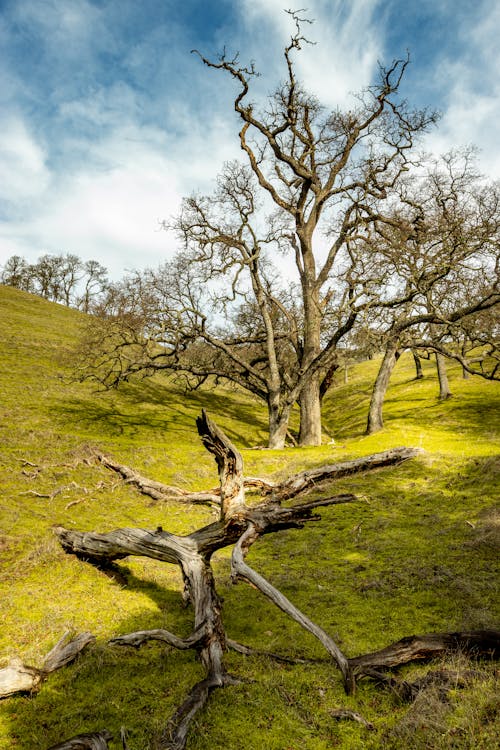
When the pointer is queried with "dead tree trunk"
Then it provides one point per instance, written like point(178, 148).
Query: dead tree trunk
point(239, 525)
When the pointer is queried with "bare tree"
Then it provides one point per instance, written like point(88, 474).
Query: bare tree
point(70, 275)
point(327, 174)
point(46, 275)
point(17, 273)
point(59, 278)
point(444, 249)
point(95, 281)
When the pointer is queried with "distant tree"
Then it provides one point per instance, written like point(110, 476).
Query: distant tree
point(17, 273)
point(70, 273)
point(443, 247)
point(59, 278)
point(46, 276)
point(95, 282)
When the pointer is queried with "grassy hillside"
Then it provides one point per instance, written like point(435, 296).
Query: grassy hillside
point(417, 553)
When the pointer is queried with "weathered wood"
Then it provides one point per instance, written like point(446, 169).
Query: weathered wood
point(66, 650)
point(240, 569)
point(175, 735)
point(115, 545)
point(137, 639)
point(229, 463)
point(18, 678)
point(158, 490)
point(423, 647)
point(305, 480)
point(239, 525)
point(21, 678)
point(94, 741)
point(346, 713)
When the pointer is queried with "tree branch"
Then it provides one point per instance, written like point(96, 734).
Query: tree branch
point(241, 570)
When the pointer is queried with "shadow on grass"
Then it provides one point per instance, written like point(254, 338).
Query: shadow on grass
point(150, 407)
point(416, 402)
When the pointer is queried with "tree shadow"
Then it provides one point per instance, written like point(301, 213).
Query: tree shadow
point(151, 407)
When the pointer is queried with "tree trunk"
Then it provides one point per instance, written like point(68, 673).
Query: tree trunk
point(418, 365)
point(444, 387)
point(310, 413)
point(375, 420)
point(327, 380)
point(278, 428)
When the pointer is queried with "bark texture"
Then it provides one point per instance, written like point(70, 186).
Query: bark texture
point(375, 419)
point(444, 386)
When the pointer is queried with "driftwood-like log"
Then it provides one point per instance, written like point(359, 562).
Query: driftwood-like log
point(241, 570)
point(312, 477)
point(239, 525)
point(18, 678)
point(158, 490)
point(21, 678)
point(430, 646)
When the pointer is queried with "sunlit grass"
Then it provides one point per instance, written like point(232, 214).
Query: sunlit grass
point(416, 553)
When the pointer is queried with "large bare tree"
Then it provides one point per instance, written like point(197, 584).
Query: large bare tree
point(314, 180)
point(328, 174)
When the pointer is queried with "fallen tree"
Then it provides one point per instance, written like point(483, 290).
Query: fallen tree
point(240, 525)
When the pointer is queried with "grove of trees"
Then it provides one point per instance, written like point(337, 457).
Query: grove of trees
point(334, 234)
point(63, 278)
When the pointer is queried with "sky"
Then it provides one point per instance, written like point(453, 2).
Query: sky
point(107, 120)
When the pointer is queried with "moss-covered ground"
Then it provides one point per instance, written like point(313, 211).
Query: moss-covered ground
point(417, 553)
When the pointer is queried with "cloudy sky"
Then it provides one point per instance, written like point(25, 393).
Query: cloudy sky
point(107, 120)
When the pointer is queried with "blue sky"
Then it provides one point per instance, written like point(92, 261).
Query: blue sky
point(107, 120)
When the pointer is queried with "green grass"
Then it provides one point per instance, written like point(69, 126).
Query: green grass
point(416, 553)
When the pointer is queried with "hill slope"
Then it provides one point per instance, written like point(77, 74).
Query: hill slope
point(416, 554)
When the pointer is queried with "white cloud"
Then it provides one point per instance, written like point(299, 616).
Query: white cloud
point(23, 171)
point(472, 106)
point(347, 44)
point(109, 205)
